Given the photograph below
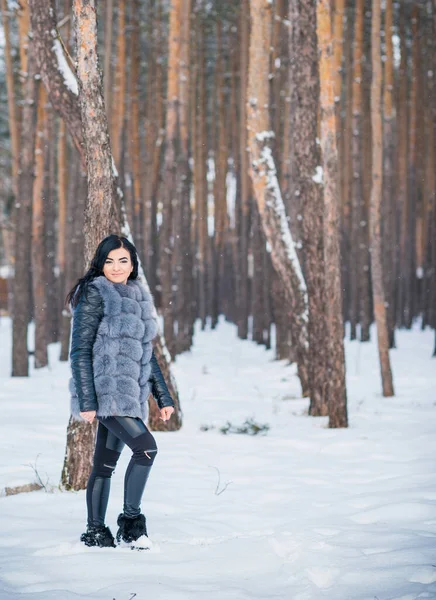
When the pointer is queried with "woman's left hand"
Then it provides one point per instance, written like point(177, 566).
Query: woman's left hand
point(166, 412)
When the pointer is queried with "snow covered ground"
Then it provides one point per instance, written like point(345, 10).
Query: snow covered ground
point(310, 513)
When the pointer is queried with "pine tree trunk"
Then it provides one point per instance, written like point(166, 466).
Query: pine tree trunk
point(412, 169)
point(220, 217)
point(12, 108)
point(389, 216)
point(348, 266)
point(337, 393)
point(184, 262)
point(200, 181)
point(244, 188)
point(62, 195)
point(402, 191)
point(170, 192)
point(74, 264)
point(265, 184)
point(50, 192)
point(108, 35)
point(39, 252)
point(257, 303)
point(120, 83)
point(134, 146)
point(23, 221)
point(430, 216)
point(308, 186)
point(366, 309)
point(376, 194)
point(357, 274)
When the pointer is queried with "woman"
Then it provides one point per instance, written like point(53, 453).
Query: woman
point(113, 372)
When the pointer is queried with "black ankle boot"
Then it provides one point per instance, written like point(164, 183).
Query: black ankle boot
point(133, 532)
point(98, 535)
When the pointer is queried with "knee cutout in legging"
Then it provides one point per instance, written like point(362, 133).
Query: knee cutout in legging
point(145, 449)
point(105, 463)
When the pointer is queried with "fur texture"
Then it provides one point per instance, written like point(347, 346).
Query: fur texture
point(122, 351)
point(129, 530)
point(98, 536)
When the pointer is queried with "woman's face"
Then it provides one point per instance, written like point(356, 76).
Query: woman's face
point(118, 265)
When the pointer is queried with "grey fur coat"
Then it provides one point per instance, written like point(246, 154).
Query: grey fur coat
point(122, 350)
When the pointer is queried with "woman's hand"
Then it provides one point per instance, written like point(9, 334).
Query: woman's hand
point(166, 412)
point(88, 415)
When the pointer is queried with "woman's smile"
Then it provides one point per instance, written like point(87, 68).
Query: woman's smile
point(118, 265)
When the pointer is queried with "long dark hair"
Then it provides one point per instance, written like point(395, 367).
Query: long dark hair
point(111, 242)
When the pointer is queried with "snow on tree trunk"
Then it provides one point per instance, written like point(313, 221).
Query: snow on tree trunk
point(59, 81)
point(307, 185)
point(265, 184)
point(376, 194)
point(337, 393)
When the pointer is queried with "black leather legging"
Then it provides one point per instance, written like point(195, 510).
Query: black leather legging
point(112, 434)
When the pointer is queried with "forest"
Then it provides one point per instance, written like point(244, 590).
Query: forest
point(273, 161)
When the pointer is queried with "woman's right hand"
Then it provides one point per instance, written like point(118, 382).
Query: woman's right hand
point(88, 415)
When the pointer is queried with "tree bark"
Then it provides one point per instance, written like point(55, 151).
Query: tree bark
point(244, 191)
point(307, 175)
point(108, 34)
point(55, 70)
point(402, 191)
point(200, 176)
point(389, 202)
point(337, 392)
point(23, 221)
point(170, 192)
point(357, 274)
point(12, 108)
point(120, 83)
point(347, 176)
point(265, 184)
point(39, 253)
point(376, 193)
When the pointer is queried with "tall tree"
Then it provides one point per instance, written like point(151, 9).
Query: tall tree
point(12, 108)
point(39, 251)
point(23, 220)
point(244, 181)
point(120, 84)
point(357, 202)
point(376, 193)
point(337, 393)
point(389, 213)
point(170, 191)
point(265, 184)
point(307, 175)
point(402, 187)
